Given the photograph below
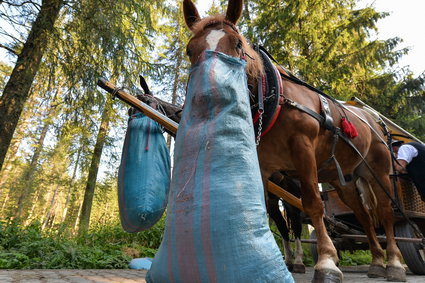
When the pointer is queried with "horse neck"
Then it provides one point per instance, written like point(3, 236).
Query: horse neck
point(253, 87)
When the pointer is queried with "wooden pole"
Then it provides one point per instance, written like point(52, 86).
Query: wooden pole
point(285, 195)
point(396, 130)
point(139, 105)
point(173, 126)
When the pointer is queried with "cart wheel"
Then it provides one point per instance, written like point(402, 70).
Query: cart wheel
point(413, 254)
point(313, 247)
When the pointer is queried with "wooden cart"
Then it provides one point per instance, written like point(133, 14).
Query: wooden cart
point(412, 246)
point(409, 213)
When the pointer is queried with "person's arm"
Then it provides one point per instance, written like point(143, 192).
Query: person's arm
point(400, 166)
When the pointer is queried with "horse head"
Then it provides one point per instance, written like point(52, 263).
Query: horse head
point(219, 33)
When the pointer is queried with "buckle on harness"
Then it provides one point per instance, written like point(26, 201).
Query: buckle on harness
point(289, 102)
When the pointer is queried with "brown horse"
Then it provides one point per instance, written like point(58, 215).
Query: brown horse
point(299, 146)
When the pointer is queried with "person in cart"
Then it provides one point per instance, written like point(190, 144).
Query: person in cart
point(411, 160)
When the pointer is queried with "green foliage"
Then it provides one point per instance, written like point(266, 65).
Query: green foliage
point(115, 235)
point(5, 71)
point(107, 247)
point(349, 258)
point(307, 257)
point(330, 44)
point(346, 258)
point(325, 42)
point(172, 56)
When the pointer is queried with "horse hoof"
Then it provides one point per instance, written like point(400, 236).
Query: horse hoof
point(298, 268)
point(395, 273)
point(290, 266)
point(376, 271)
point(327, 276)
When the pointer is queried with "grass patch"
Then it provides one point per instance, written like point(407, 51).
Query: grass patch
point(102, 248)
point(360, 257)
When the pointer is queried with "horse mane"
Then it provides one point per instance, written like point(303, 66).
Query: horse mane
point(254, 66)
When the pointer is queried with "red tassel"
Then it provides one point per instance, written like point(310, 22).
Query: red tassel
point(348, 128)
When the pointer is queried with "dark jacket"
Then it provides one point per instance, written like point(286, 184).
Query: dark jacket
point(416, 168)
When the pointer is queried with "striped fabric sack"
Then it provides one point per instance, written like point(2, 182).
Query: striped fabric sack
point(217, 228)
point(144, 175)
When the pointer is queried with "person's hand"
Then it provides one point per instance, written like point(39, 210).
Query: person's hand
point(400, 166)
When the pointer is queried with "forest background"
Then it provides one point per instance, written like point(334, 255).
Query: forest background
point(61, 136)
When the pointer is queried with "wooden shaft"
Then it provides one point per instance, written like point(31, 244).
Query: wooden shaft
point(173, 126)
point(363, 238)
point(139, 105)
point(393, 126)
point(285, 195)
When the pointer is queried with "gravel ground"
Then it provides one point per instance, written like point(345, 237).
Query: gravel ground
point(354, 274)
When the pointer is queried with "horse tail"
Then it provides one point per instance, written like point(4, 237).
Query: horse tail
point(368, 198)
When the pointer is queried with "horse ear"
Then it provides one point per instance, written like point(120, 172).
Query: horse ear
point(191, 14)
point(234, 10)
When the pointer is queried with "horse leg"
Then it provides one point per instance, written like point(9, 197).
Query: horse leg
point(276, 215)
point(395, 270)
point(299, 266)
point(289, 255)
point(296, 225)
point(302, 155)
point(349, 195)
point(294, 216)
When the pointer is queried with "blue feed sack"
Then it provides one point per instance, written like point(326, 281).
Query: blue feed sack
point(144, 174)
point(140, 263)
point(217, 228)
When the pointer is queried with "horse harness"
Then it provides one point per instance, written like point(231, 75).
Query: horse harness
point(270, 95)
point(271, 99)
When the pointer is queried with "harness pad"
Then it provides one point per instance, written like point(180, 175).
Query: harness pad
point(272, 85)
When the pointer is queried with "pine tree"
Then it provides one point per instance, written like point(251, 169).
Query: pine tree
point(330, 45)
point(17, 89)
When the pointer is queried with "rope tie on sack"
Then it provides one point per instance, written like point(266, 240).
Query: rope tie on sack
point(115, 92)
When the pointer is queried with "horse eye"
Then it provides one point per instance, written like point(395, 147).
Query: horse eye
point(239, 46)
point(188, 53)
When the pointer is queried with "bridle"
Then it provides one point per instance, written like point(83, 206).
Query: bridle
point(243, 55)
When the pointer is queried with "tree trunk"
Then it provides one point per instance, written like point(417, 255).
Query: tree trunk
point(50, 208)
point(53, 215)
point(71, 186)
point(247, 18)
point(80, 207)
point(14, 147)
point(34, 204)
point(105, 215)
point(5, 173)
point(30, 170)
point(94, 168)
point(175, 86)
point(6, 198)
point(17, 89)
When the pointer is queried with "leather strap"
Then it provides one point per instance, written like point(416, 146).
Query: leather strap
point(304, 109)
point(329, 126)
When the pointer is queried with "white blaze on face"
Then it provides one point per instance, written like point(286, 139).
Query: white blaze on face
point(213, 38)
